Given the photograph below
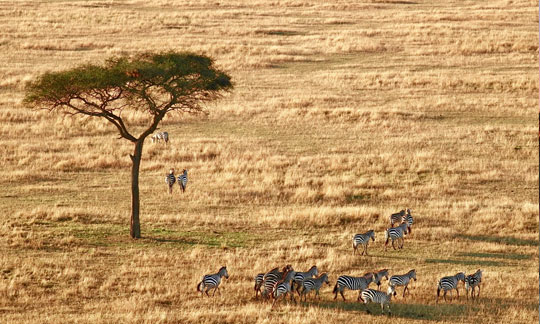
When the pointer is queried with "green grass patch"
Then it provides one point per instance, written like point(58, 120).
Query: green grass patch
point(508, 240)
point(210, 238)
point(467, 262)
point(506, 256)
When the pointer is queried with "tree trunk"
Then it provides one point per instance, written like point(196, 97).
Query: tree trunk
point(135, 228)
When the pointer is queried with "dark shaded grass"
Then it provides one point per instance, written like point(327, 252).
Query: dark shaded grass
point(467, 262)
point(508, 256)
point(508, 240)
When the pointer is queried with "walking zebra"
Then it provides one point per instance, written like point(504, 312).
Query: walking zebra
point(170, 179)
point(352, 283)
point(270, 279)
point(397, 217)
point(182, 180)
point(362, 239)
point(259, 278)
point(402, 280)
point(472, 281)
point(299, 277)
point(375, 296)
point(313, 284)
point(396, 233)
point(283, 287)
point(212, 281)
point(378, 277)
point(450, 283)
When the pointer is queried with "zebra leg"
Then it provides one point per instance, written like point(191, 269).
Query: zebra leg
point(206, 291)
point(341, 292)
point(393, 245)
point(457, 293)
point(365, 250)
point(478, 292)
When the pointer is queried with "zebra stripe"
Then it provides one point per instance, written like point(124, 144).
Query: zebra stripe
point(299, 277)
point(379, 297)
point(402, 280)
point(363, 239)
point(352, 283)
point(313, 284)
point(396, 217)
point(449, 283)
point(283, 287)
point(395, 233)
point(182, 180)
point(472, 281)
point(170, 179)
point(212, 281)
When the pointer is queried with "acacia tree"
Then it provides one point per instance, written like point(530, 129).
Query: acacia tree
point(155, 84)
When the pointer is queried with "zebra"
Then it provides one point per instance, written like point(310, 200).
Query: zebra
point(157, 137)
point(472, 281)
point(182, 180)
point(450, 283)
point(402, 280)
point(212, 281)
point(352, 283)
point(283, 287)
point(396, 217)
point(299, 277)
point(408, 219)
point(259, 278)
point(363, 239)
point(378, 277)
point(396, 233)
point(313, 284)
point(170, 179)
point(270, 279)
point(376, 296)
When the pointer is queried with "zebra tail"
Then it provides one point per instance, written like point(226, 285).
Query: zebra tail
point(199, 286)
point(335, 289)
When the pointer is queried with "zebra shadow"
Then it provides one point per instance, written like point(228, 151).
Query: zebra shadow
point(407, 311)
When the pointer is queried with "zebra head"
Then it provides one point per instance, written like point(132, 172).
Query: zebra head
point(460, 276)
point(412, 274)
point(171, 171)
point(370, 276)
point(313, 271)
point(324, 277)
point(223, 272)
point(371, 234)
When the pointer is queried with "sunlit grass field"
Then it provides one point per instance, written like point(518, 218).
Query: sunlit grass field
point(343, 112)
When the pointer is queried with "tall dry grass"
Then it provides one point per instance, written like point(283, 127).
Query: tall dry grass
point(342, 113)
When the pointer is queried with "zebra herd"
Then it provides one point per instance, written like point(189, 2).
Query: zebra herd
point(170, 179)
point(277, 283)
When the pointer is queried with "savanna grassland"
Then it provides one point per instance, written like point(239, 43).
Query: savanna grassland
point(343, 112)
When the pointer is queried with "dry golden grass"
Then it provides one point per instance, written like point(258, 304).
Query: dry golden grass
point(343, 113)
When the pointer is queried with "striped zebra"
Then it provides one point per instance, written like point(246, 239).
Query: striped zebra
point(396, 218)
point(182, 180)
point(378, 277)
point(313, 284)
point(299, 277)
point(212, 281)
point(408, 219)
point(402, 280)
point(170, 179)
point(450, 283)
point(158, 137)
point(379, 297)
point(472, 281)
point(396, 233)
point(270, 279)
point(259, 278)
point(362, 239)
point(283, 287)
point(352, 283)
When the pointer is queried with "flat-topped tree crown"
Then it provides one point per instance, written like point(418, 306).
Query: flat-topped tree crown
point(155, 83)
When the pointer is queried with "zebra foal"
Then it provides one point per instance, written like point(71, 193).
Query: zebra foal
point(212, 281)
point(450, 283)
point(313, 284)
point(363, 239)
point(299, 277)
point(402, 280)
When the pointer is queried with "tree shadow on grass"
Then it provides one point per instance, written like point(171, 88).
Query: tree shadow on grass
point(408, 311)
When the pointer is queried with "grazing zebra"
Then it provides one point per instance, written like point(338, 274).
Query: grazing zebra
point(395, 233)
point(271, 278)
point(313, 284)
point(376, 296)
point(378, 277)
point(212, 281)
point(362, 239)
point(450, 283)
point(402, 280)
point(283, 287)
point(408, 219)
point(182, 180)
point(472, 281)
point(397, 217)
point(170, 179)
point(299, 277)
point(352, 283)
